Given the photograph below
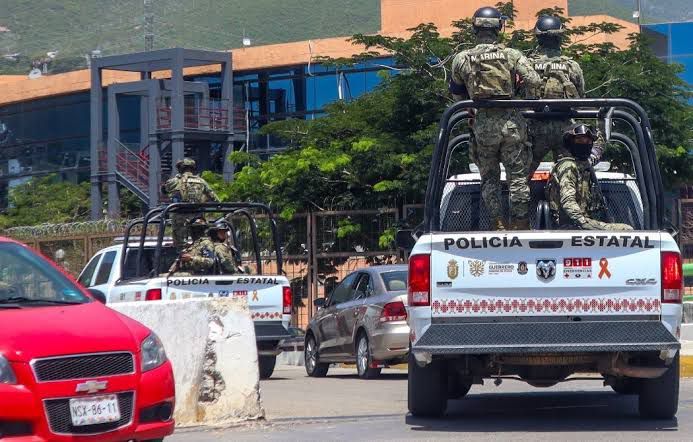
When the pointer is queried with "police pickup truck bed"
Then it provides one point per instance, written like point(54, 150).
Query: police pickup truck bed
point(269, 296)
point(543, 305)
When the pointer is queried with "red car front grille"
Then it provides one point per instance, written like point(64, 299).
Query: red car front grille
point(58, 413)
point(83, 366)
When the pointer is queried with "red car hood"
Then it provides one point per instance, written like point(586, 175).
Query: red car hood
point(35, 332)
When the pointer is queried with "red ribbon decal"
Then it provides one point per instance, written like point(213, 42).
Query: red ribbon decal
point(604, 264)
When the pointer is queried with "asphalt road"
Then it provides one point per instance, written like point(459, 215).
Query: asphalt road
point(343, 407)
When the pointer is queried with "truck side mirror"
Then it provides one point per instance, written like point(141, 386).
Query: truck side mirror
point(319, 302)
point(404, 239)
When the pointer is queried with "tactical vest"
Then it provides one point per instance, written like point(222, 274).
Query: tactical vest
point(491, 74)
point(192, 189)
point(555, 76)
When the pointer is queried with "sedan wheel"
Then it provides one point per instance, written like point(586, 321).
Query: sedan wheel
point(314, 367)
point(364, 359)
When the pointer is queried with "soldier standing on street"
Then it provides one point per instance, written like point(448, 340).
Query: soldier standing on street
point(186, 187)
point(574, 196)
point(224, 262)
point(561, 78)
point(489, 71)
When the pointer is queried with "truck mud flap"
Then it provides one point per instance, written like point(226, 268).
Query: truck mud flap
point(541, 337)
point(270, 331)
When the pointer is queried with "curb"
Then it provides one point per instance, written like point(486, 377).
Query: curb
point(686, 366)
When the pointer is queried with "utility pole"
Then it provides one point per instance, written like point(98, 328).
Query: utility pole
point(638, 14)
point(148, 25)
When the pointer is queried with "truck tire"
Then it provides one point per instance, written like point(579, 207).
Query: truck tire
point(266, 364)
point(314, 368)
point(428, 389)
point(659, 397)
point(626, 386)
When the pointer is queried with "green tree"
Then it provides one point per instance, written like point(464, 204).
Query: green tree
point(46, 200)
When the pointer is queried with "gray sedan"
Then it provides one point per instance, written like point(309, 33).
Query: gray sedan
point(363, 320)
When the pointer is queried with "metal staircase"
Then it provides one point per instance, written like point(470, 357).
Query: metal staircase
point(132, 169)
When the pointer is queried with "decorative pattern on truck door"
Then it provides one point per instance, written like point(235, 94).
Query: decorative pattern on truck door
point(267, 315)
point(545, 305)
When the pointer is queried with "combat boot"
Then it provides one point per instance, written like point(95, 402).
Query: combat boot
point(520, 224)
point(498, 224)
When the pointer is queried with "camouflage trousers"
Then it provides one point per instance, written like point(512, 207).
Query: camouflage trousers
point(501, 136)
point(546, 136)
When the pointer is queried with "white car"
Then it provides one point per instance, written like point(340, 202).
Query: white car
point(114, 272)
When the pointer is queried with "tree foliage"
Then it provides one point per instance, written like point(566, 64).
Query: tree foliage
point(46, 200)
point(375, 150)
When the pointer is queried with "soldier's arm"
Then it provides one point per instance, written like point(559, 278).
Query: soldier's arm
point(225, 258)
point(568, 182)
point(211, 195)
point(577, 78)
point(597, 148)
point(530, 78)
point(457, 86)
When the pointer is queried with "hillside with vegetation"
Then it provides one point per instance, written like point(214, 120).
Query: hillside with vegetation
point(31, 29)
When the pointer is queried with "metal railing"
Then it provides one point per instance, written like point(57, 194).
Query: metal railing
point(210, 115)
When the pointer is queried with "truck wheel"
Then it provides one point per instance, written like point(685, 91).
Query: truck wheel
point(626, 386)
point(428, 389)
point(314, 368)
point(266, 364)
point(364, 359)
point(659, 398)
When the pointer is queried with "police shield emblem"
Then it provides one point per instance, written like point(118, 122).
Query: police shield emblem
point(453, 269)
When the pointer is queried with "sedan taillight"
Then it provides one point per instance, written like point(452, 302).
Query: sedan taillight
point(393, 311)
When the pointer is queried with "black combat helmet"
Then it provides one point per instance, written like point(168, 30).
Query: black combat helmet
point(579, 139)
point(488, 18)
point(549, 30)
point(219, 225)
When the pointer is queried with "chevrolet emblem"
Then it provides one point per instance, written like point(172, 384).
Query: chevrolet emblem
point(91, 386)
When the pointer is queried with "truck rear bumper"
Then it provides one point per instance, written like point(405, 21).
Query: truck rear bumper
point(543, 337)
point(270, 331)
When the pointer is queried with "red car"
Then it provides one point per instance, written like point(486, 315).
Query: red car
point(70, 368)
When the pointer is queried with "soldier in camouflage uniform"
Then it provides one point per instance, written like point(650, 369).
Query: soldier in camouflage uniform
point(186, 187)
point(197, 258)
point(561, 78)
point(574, 196)
point(489, 71)
point(224, 262)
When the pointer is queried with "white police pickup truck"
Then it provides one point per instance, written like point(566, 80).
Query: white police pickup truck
point(114, 271)
point(542, 305)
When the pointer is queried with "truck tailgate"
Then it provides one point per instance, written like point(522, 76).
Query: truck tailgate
point(561, 273)
point(264, 293)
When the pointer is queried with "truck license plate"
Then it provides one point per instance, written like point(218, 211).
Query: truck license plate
point(94, 410)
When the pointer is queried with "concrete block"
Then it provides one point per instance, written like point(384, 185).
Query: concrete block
point(211, 345)
point(293, 358)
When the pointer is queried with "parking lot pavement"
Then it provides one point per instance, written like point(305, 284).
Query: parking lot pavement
point(343, 407)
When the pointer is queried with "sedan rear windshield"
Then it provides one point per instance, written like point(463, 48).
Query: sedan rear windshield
point(395, 281)
point(27, 278)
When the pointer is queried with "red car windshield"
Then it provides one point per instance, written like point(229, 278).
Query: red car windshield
point(27, 279)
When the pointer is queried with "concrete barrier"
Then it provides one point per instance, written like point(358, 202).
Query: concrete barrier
point(211, 344)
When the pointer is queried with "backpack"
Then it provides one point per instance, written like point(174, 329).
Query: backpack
point(491, 74)
point(554, 75)
point(192, 189)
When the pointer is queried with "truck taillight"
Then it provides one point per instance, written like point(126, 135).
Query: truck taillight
point(419, 280)
point(672, 278)
point(287, 296)
point(393, 311)
point(153, 295)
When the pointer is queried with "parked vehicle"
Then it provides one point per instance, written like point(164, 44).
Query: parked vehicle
point(70, 368)
point(137, 270)
point(544, 304)
point(363, 320)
